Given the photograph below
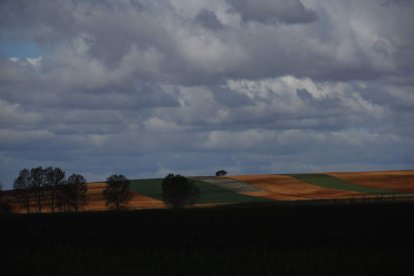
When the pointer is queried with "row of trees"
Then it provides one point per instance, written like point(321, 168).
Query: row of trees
point(49, 187)
point(177, 191)
point(42, 188)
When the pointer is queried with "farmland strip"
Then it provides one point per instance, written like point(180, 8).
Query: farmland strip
point(228, 183)
point(283, 187)
point(331, 182)
point(399, 181)
point(209, 193)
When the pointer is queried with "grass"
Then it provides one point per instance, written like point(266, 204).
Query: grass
point(331, 182)
point(209, 193)
point(149, 187)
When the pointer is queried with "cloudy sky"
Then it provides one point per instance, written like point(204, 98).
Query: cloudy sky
point(145, 88)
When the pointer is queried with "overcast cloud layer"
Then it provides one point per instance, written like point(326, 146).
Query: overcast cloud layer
point(145, 88)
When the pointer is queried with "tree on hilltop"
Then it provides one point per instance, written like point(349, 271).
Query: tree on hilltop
point(178, 192)
point(221, 173)
point(117, 192)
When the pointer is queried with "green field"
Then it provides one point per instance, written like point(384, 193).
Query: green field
point(209, 193)
point(331, 182)
point(148, 187)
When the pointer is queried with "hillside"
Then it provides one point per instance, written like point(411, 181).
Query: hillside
point(278, 188)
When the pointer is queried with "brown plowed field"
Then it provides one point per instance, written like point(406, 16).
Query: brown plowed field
point(96, 201)
point(401, 181)
point(281, 187)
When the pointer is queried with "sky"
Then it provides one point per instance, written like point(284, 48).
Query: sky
point(145, 88)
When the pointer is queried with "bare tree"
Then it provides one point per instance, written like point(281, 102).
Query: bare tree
point(22, 191)
point(117, 192)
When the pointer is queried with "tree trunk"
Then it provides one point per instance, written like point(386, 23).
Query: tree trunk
point(52, 199)
point(76, 202)
point(28, 206)
point(39, 200)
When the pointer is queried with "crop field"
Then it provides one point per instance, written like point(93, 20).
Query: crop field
point(255, 225)
point(331, 182)
point(147, 193)
point(209, 193)
point(283, 187)
point(399, 181)
point(96, 200)
point(149, 187)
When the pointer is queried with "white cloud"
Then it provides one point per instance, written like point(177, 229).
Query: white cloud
point(145, 87)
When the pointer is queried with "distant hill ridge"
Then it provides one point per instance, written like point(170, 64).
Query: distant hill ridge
point(269, 188)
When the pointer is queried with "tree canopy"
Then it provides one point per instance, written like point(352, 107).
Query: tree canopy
point(178, 191)
point(77, 191)
point(117, 192)
point(221, 173)
point(21, 191)
point(49, 186)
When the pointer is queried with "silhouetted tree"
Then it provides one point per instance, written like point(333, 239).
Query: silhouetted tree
point(221, 173)
point(55, 177)
point(38, 185)
point(178, 191)
point(117, 192)
point(63, 195)
point(77, 189)
point(5, 203)
point(21, 191)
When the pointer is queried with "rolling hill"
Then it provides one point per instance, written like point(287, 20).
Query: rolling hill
point(277, 188)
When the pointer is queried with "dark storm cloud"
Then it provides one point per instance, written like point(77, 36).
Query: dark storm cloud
point(149, 87)
point(208, 19)
point(273, 11)
point(398, 99)
point(230, 98)
point(324, 103)
point(356, 44)
point(304, 95)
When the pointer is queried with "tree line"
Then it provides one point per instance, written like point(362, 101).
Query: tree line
point(41, 188)
point(48, 187)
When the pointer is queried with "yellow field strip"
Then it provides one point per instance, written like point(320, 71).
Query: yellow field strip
point(96, 200)
point(400, 181)
point(282, 187)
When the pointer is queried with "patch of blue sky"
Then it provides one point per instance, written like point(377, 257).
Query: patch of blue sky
point(19, 49)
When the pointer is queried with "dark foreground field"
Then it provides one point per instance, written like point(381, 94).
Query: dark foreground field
point(255, 239)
